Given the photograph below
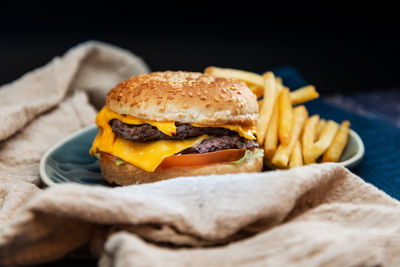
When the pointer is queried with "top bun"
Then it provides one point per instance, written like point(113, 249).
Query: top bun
point(186, 97)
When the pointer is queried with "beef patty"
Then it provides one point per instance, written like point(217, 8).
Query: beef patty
point(221, 138)
point(147, 132)
point(221, 143)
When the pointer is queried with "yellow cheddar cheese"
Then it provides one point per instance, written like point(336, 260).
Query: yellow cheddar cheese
point(106, 114)
point(247, 132)
point(146, 156)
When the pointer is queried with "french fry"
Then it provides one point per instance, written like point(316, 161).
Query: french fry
point(259, 104)
point(283, 153)
point(279, 84)
point(335, 150)
point(279, 87)
point(296, 159)
point(328, 133)
point(320, 125)
point(271, 139)
point(289, 137)
point(324, 141)
point(285, 117)
point(266, 107)
point(303, 94)
point(254, 81)
point(309, 134)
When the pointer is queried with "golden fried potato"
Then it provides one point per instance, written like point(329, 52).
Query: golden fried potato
point(271, 139)
point(303, 94)
point(335, 150)
point(328, 133)
point(266, 107)
point(296, 159)
point(283, 153)
point(285, 117)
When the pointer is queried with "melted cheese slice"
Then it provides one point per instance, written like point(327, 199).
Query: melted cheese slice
point(106, 114)
point(169, 128)
point(247, 132)
point(147, 155)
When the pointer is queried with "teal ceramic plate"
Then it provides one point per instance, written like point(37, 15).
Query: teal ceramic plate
point(69, 160)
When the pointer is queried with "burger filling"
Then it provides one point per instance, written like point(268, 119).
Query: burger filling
point(150, 144)
point(221, 138)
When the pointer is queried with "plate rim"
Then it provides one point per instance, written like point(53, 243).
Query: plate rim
point(47, 181)
point(359, 154)
point(42, 171)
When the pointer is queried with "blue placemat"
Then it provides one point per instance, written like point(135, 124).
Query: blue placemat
point(381, 163)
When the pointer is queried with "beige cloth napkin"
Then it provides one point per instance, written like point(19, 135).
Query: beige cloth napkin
point(318, 215)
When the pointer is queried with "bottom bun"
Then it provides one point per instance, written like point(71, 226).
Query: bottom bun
point(127, 174)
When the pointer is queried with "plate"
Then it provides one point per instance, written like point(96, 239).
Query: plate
point(69, 159)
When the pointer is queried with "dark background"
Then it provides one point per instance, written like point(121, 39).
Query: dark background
point(339, 48)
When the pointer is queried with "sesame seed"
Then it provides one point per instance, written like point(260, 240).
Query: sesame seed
point(190, 94)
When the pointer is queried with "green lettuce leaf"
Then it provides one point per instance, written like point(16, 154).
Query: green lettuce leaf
point(250, 155)
point(97, 155)
point(119, 162)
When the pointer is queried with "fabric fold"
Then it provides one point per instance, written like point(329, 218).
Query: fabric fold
point(214, 211)
point(53, 101)
point(92, 66)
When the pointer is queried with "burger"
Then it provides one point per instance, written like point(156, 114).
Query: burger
point(169, 124)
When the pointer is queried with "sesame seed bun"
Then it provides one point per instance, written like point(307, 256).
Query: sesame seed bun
point(185, 97)
point(127, 174)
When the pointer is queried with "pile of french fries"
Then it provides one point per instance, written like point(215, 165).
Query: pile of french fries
point(289, 136)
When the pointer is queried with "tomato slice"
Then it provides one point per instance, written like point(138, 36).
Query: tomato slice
point(227, 155)
point(107, 156)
